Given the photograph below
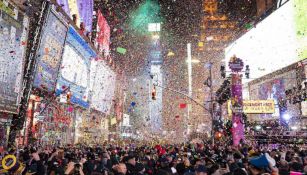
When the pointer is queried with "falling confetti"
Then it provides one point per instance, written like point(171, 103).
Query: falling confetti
point(121, 50)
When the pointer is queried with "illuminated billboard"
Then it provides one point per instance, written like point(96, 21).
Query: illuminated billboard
point(103, 34)
point(75, 68)
point(13, 43)
point(82, 8)
point(103, 87)
point(273, 87)
point(85, 8)
point(255, 107)
point(50, 52)
point(274, 43)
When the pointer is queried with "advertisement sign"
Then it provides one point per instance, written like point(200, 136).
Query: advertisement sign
point(277, 41)
point(113, 121)
point(259, 106)
point(103, 88)
point(64, 5)
point(73, 9)
point(13, 42)
point(50, 52)
point(75, 68)
point(86, 8)
point(82, 8)
point(274, 89)
point(255, 107)
point(103, 34)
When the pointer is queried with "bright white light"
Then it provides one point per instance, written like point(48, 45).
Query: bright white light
point(286, 117)
point(154, 27)
point(209, 38)
point(274, 38)
point(134, 79)
point(193, 61)
point(258, 127)
point(294, 127)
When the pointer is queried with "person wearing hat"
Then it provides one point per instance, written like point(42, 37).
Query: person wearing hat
point(296, 168)
point(164, 166)
point(260, 164)
point(130, 164)
point(201, 170)
point(140, 169)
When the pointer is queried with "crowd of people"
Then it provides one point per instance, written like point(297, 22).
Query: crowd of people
point(183, 159)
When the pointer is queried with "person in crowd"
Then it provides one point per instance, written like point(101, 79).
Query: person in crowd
point(140, 169)
point(130, 164)
point(120, 169)
point(201, 170)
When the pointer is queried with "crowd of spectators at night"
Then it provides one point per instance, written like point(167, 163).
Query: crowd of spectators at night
point(182, 159)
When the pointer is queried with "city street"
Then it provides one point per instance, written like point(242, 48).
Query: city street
point(154, 87)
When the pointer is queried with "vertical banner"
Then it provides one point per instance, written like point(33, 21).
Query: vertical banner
point(50, 52)
point(13, 39)
point(103, 34)
point(86, 8)
point(73, 9)
point(64, 5)
point(75, 68)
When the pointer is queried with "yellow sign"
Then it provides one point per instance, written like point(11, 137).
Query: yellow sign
point(113, 121)
point(7, 9)
point(256, 107)
point(73, 8)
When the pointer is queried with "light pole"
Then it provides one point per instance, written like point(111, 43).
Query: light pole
point(189, 60)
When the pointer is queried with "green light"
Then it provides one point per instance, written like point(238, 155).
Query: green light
point(147, 12)
point(121, 50)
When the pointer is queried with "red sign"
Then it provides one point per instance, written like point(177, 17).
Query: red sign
point(103, 34)
point(182, 105)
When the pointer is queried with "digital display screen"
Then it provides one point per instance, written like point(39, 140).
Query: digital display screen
point(13, 43)
point(274, 43)
point(50, 52)
point(75, 68)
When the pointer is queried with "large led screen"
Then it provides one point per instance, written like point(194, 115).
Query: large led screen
point(13, 42)
point(103, 87)
point(275, 42)
point(50, 52)
point(75, 68)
